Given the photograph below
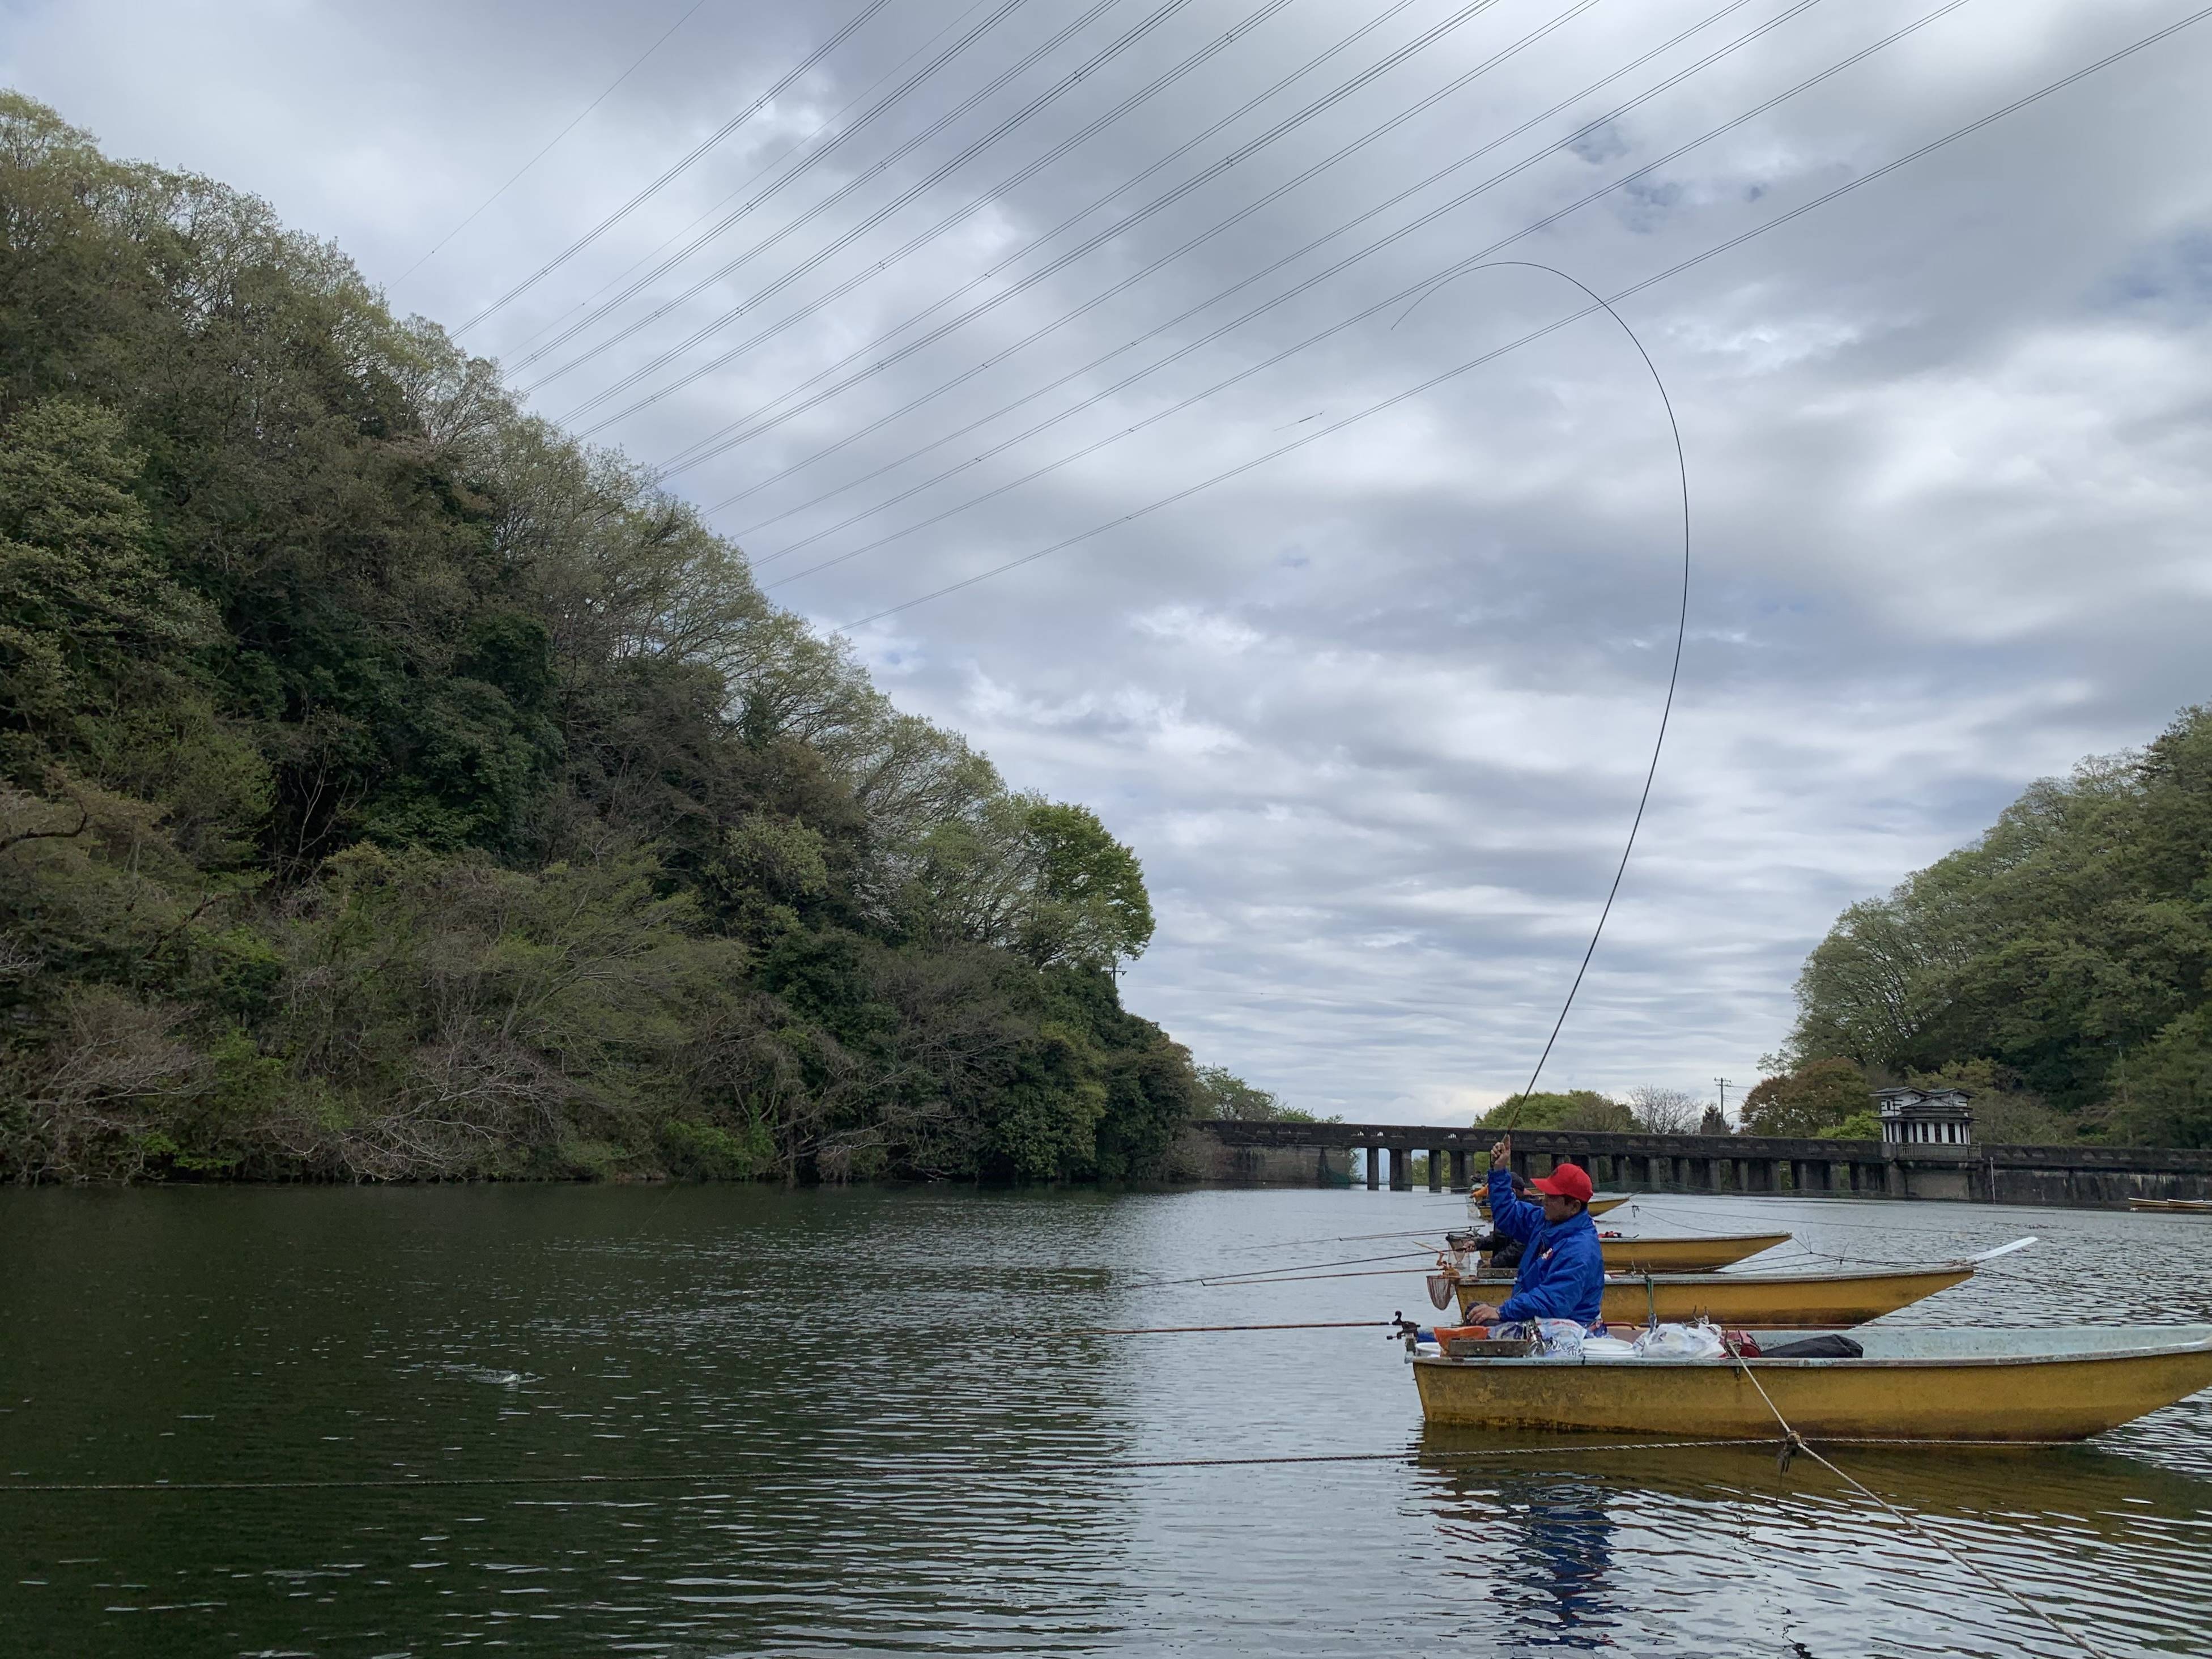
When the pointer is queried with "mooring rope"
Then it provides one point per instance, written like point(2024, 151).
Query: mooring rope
point(1793, 1442)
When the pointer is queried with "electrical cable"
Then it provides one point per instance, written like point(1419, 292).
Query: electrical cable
point(1212, 48)
point(669, 175)
point(1412, 291)
point(1533, 335)
point(728, 316)
point(824, 124)
point(554, 139)
point(864, 177)
point(1364, 29)
point(867, 273)
point(1213, 45)
point(738, 432)
point(1215, 299)
point(1212, 171)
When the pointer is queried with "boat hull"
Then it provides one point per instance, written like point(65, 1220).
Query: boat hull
point(1796, 1302)
point(1993, 1398)
point(2173, 1205)
point(1684, 1256)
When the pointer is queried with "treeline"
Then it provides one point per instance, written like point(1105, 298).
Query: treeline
point(2060, 968)
point(391, 788)
point(1648, 1110)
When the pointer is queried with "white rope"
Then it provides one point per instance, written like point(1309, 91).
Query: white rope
point(1795, 1442)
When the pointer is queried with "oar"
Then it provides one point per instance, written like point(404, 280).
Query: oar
point(2005, 1249)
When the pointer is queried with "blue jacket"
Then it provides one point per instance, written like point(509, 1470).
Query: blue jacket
point(1562, 1265)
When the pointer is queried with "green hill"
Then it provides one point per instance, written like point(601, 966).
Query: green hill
point(2061, 966)
point(390, 788)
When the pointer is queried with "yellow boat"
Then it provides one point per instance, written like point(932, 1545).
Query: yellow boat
point(1684, 1256)
point(1934, 1384)
point(1762, 1301)
point(2173, 1205)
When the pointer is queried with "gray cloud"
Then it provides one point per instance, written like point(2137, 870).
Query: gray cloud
point(1375, 714)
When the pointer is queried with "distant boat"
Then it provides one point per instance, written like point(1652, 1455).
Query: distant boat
point(1683, 1255)
point(2173, 1205)
point(1934, 1384)
point(1760, 1301)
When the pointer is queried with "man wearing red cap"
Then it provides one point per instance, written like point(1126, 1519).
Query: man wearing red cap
point(1562, 1264)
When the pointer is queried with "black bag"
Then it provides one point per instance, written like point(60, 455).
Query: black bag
point(1832, 1345)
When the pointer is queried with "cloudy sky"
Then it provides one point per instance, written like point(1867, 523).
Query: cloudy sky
point(960, 282)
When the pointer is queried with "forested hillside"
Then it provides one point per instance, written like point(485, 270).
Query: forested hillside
point(2061, 966)
point(391, 788)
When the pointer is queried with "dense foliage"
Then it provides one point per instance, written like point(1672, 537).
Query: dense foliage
point(1223, 1095)
point(390, 787)
point(1817, 1097)
point(2061, 967)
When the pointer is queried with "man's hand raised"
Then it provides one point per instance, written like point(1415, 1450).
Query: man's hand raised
point(1501, 1155)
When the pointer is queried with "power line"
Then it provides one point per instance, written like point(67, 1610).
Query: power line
point(1210, 49)
point(1533, 335)
point(1409, 293)
point(549, 142)
point(824, 124)
point(711, 445)
point(669, 175)
point(1044, 100)
point(1460, 200)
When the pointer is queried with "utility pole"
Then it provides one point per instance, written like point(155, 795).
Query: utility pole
point(1724, 1082)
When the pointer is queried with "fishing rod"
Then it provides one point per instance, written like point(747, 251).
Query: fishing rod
point(1292, 1267)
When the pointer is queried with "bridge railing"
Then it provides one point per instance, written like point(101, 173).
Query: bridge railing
point(1634, 1161)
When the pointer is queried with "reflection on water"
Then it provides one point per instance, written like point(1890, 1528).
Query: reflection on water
point(886, 1416)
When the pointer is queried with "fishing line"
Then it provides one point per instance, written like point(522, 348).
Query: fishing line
point(1339, 1238)
point(1681, 634)
point(1411, 1459)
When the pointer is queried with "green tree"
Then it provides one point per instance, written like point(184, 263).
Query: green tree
point(1088, 906)
point(1810, 1100)
point(390, 788)
point(2071, 947)
point(1576, 1108)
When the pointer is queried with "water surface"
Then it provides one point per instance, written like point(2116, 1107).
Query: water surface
point(878, 1424)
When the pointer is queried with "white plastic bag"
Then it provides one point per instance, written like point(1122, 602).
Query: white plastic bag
point(1559, 1336)
point(1678, 1342)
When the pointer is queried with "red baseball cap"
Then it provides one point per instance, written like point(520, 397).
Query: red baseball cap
point(1567, 1181)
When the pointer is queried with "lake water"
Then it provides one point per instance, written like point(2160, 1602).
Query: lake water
point(888, 1433)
